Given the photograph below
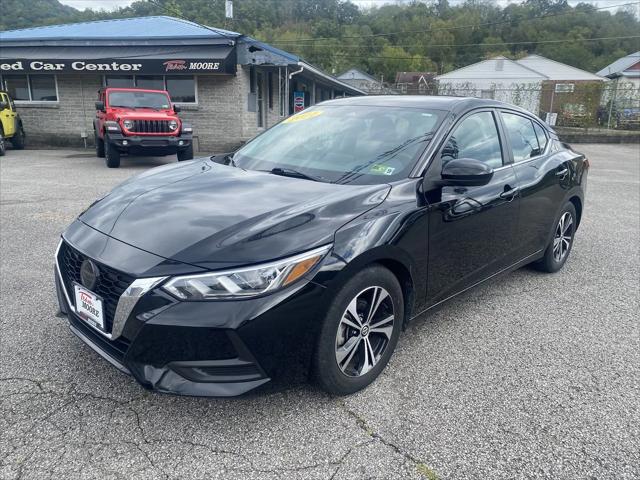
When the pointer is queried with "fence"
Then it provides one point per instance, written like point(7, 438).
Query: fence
point(580, 104)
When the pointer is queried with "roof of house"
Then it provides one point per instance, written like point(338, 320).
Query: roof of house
point(495, 68)
point(619, 67)
point(532, 67)
point(555, 70)
point(157, 27)
point(355, 74)
point(147, 34)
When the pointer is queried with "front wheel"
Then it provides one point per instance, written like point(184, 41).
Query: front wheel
point(2, 145)
point(112, 154)
point(18, 139)
point(559, 247)
point(359, 332)
point(185, 154)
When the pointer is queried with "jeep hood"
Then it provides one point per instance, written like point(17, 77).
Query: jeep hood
point(216, 216)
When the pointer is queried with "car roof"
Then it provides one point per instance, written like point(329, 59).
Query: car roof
point(455, 105)
point(449, 103)
point(129, 89)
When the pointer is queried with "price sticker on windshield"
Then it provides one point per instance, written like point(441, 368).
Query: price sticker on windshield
point(303, 116)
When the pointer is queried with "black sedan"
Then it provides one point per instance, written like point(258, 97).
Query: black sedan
point(305, 253)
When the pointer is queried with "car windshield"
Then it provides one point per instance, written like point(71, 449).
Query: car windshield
point(343, 144)
point(155, 100)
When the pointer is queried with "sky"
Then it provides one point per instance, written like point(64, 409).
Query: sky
point(111, 4)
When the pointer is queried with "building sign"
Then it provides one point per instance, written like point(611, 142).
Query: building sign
point(151, 66)
point(298, 101)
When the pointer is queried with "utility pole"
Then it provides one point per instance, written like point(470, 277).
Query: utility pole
point(228, 14)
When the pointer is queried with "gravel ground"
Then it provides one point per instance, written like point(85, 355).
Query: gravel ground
point(530, 376)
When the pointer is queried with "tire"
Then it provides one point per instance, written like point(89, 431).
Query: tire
point(559, 247)
point(3, 147)
point(185, 154)
point(112, 155)
point(339, 369)
point(99, 146)
point(18, 139)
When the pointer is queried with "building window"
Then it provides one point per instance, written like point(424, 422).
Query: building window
point(181, 88)
point(565, 87)
point(270, 88)
point(31, 88)
point(152, 82)
point(282, 78)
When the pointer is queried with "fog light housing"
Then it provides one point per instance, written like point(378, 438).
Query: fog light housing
point(180, 142)
point(125, 142)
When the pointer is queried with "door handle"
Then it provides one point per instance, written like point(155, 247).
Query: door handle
point(562, 173)
point(509, 194)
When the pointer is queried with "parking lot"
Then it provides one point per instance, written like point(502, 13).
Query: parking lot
point(530, 376)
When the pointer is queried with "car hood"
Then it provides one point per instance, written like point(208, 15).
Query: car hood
point(216, 216)
point(145, 115)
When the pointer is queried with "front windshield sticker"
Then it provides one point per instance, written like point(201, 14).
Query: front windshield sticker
point(303, 116)
point(382, 170)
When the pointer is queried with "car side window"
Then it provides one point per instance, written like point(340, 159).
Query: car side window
point(522, 136)
point(542, 136)
point(475, 137)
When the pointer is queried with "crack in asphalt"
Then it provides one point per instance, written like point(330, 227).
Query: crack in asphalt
point(364, 426)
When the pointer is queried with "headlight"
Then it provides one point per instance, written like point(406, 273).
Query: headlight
point(173, 124)
point(128, 124)
point(245, 282)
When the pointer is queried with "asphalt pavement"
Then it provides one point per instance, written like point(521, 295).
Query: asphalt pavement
point(529, 376)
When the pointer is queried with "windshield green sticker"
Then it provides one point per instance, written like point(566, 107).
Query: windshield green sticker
point(303, 116)
point(382, 170)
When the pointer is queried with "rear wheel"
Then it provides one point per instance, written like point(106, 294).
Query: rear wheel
point(2, 145)
point(112, 154)
point(99, 146)
point(18, 139)
point(559, 248)
point(359, 332)
point(185, 154)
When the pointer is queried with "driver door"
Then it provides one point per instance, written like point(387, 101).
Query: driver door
point(472, 230)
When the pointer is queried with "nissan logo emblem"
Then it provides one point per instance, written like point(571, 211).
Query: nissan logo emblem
point(89, 274)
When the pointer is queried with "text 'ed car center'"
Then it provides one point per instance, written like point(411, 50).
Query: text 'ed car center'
point(228, 85)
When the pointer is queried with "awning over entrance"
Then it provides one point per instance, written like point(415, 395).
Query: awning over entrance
point(169, 60)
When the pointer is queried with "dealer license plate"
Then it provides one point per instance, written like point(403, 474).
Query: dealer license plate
point(89, 306)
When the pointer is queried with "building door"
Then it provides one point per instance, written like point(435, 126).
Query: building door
point(260, 98)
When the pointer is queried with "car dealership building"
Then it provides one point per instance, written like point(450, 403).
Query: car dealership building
point(228, 85)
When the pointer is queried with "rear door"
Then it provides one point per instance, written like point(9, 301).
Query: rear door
point(472, 230)
point(544, 178)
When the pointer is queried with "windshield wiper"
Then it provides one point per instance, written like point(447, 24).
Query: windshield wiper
point(290, 172)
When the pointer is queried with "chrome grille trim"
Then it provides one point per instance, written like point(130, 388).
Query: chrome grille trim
point(126, 302)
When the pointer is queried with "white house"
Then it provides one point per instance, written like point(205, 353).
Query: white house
point(361, 80)
point(625, 70)
point(530, 82)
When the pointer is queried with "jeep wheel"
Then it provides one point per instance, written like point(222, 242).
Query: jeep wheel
point(185, 154)
point(2, 146)
point(18, 139)
point(99, 146)
point(112, 154)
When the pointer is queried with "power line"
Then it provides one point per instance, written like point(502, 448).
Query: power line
point(492, 44)
point(459, 27)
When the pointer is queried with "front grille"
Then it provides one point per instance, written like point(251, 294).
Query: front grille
point(151, 126)
point(111, 283)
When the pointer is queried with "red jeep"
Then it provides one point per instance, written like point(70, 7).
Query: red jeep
point(139, 122)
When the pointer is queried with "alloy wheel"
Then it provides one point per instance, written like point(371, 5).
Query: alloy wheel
point(364, 331)
point(562, 237)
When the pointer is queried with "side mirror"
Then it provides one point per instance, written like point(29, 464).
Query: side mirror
point(100, 106)
point(467, 172)
point(176, 109)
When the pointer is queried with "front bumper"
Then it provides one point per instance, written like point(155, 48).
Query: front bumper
point(162, 144)
point(208, 348)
